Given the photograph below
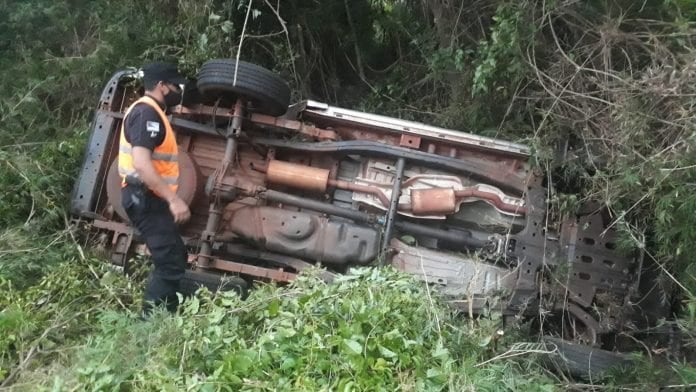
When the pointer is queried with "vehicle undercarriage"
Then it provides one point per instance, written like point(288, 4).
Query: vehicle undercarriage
point(274, 190)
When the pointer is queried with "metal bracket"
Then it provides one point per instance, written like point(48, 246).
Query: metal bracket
point(410, 141)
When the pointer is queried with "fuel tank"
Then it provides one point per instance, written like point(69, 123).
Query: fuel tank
point(306, 236)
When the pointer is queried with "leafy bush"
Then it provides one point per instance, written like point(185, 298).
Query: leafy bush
point(38, 323)
point(373, 330)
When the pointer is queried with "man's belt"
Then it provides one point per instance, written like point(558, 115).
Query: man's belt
point(135, 181)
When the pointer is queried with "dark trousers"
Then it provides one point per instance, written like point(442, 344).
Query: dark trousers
point(150, 215)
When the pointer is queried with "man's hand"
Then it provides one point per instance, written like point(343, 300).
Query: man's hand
point(179, 210)
point(142, 162)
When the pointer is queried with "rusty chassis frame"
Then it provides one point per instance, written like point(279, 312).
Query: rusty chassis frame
point(532, 269)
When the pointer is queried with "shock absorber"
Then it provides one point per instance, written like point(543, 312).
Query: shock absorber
point(215, 210)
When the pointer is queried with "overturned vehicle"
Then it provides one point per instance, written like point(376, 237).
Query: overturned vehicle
point(274, 189)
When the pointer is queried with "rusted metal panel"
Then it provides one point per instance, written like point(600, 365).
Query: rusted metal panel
point(305, 236)
point(259, 119)
point(260, 272)
point(302, 128)
point(275, 258)
point(594, 264)
point(410, 141)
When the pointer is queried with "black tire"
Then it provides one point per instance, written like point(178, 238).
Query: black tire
point(583, 361)
point(193, 280)
point(192, 96)
point(266, 91)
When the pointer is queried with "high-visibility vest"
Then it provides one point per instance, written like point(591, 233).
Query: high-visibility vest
point(164, 156)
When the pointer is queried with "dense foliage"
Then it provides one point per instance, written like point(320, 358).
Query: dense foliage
point(371, 331)
point(602, 89)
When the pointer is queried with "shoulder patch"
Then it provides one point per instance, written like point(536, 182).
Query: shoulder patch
point(153, 127)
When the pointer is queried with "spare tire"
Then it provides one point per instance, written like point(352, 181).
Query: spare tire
point(267, 92)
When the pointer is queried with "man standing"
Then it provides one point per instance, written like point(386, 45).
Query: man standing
point(149, 170)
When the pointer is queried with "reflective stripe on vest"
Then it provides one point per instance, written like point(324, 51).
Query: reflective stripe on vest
point(164, 157)
point(156, 156)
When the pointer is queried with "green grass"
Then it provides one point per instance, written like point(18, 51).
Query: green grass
point(374, 330)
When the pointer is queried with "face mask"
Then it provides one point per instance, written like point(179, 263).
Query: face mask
point(172, 98)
